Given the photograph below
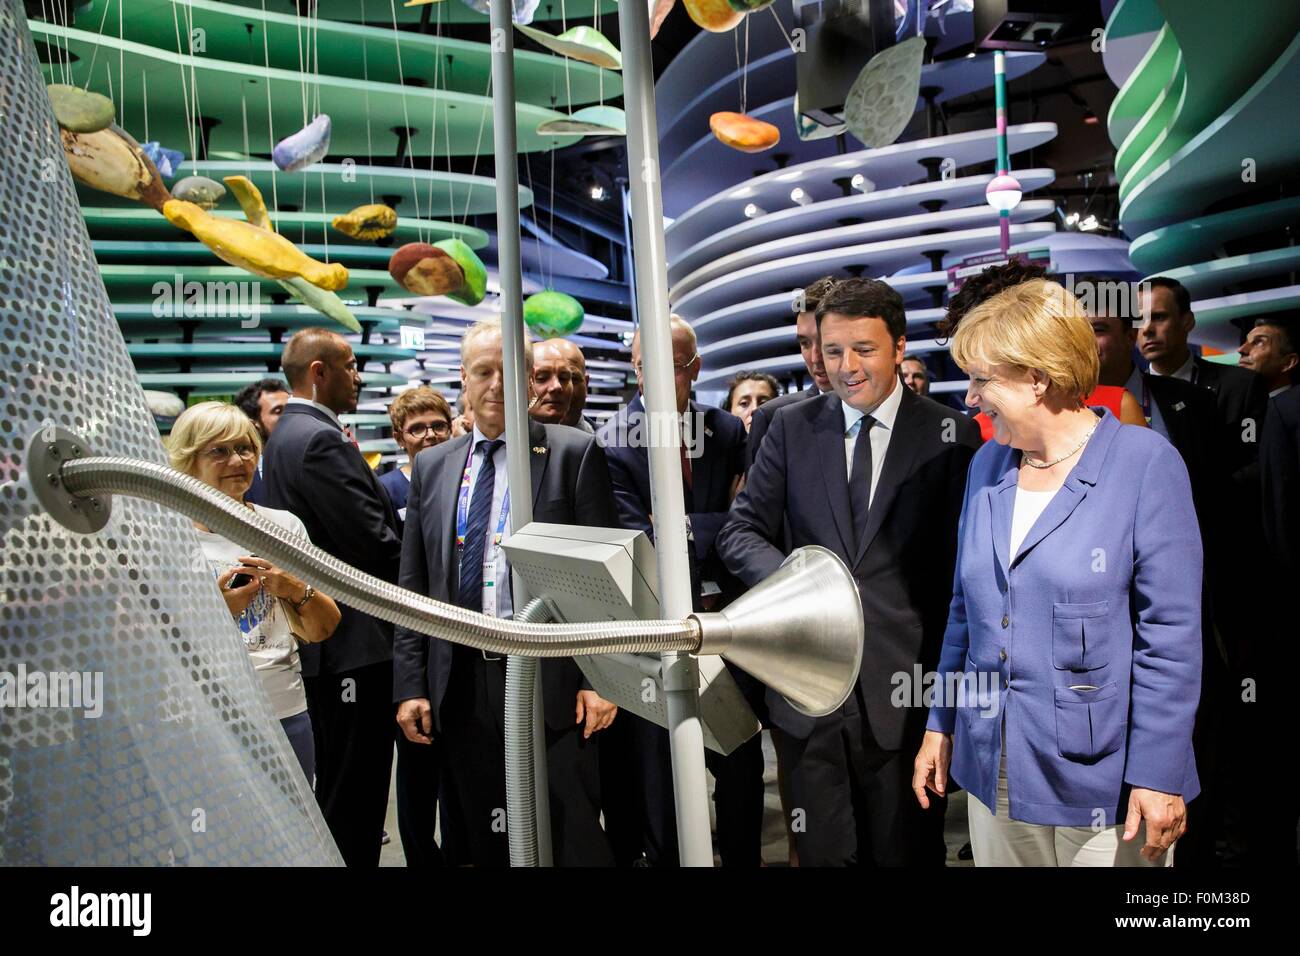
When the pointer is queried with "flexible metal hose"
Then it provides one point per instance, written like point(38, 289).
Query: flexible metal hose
point(522, 784)
point(365, 592)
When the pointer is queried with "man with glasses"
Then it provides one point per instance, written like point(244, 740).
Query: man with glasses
point(712, 461)
point(313, 470)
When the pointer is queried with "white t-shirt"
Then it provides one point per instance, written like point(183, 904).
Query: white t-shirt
point(1029, 505)
point(264, 626)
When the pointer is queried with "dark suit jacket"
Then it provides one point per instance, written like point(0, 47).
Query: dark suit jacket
point(904, 567)
point(309, 468)
point(570, 486)
point(721, 459)
point(761, 420)
point(1279, 465)
point(1242, 398)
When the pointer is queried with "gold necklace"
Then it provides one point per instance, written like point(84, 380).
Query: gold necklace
point(1039, 464)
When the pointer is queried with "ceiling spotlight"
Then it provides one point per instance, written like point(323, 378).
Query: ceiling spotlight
point(753, 212)
point(598, 193)
point(1090, 118)
point(1072, 219)
point(799, 196)
point(1089, 224)
point(861, 183)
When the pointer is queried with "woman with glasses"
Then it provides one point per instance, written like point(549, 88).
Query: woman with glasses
point(218, 444)
point(421, 419)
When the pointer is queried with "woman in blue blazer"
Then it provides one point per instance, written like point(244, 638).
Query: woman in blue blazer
point(1071, 663)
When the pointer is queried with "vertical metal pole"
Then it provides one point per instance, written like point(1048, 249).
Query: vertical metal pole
point(1004, 159)
point(681, 675)
point(512, 343)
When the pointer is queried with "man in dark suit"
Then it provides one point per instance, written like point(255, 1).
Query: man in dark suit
point(1273, 840)
point(1242, 398)
point(713, 460)
point(805, 328)
point(456, 514)
point(313, 470)
point(876, 474)
point(263, 402)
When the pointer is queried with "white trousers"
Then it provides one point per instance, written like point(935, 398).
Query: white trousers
point(997, 840)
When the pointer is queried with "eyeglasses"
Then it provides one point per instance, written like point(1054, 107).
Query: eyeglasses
point(676, 368)
point(221, 453)
point(440, 429)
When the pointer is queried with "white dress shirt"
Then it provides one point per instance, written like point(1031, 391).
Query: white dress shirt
point(1136, 387)
point(295, 400)
point(1187, 371)
point(501, 577)
point(885, 414)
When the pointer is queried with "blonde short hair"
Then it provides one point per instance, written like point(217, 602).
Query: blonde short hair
point(202, 424)
point(1034, 325)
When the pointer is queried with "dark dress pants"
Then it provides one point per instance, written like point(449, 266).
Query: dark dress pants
point(352, 720)
point(473, 734)
point(851, 800)
point(417, 802)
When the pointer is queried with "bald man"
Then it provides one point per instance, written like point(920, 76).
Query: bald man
point(552, 383)
point(581, 383)
point(310, 468)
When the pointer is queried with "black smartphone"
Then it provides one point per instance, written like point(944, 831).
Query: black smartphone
point(238, 581)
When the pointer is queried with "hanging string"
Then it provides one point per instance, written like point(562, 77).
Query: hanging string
point(744, 73)
point(270, 122)
point(550, 252)
point(568, 90)
point(433, 151)
point(406, 118)
point(315, 45)
point(302, 72)
point(90, 74)
point(446, 130)
point(185, 95)
point(60, 64)
point(365, 72)
point(194, 82)
point(121, 64)
point(144, 81)
point(478, 143)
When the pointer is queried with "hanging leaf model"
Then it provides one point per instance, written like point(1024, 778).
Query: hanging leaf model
point(111, 161)
point(553, 313)
point(374, 221)
point(78, 110)
point(743, 132)
point(448, 267)
point(305, 147)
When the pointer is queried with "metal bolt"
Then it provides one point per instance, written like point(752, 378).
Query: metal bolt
point(76, 451)
point(54, 451)
point(52, 478)
point(94, 503)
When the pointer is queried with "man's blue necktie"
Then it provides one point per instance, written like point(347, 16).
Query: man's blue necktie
point(470, 593)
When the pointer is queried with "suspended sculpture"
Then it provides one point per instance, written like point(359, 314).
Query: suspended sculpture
point(259, 251)
point(658, 12)
point(808, 130)
point(578, 43)
point(78, 110)
point(250, 200)
point(881, 101)
point(553, 313)
point(448, 267)
point(716, 16)
point(604, 120)
point(166, 160)
point(373, 221)
point(326, 303)
point(200, 190)
point(110, 160)
point(305, 147)
point(743, 132)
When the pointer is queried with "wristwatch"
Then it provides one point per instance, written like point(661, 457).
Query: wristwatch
point(307, 596)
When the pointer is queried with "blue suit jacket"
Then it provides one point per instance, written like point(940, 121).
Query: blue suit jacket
point(1104, 593)
point(721, 459)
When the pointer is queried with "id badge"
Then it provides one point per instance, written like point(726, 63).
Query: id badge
point(490, 589)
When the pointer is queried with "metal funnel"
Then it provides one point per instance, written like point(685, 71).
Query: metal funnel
point(799, 632)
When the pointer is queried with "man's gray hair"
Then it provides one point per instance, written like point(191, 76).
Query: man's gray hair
point(491, 326)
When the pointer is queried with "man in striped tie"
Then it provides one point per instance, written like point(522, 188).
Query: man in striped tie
point(457, 517)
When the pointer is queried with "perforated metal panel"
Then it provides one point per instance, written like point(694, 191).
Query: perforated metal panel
point(187, 764)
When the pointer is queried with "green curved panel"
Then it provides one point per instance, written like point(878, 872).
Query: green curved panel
point(233, 381)
point(1145, 84)
point(362, 113)
point(1131, 17)
point(140, 280)
point(130, 250)
point(1144, 145)
point(1209, 166)
point(449, 11)
point(143, 225)
point(1202, 278)
point(1198, 240)
point(251, 350)
point(339, 49)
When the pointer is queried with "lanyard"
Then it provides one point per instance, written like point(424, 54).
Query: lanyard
point(462, 527)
